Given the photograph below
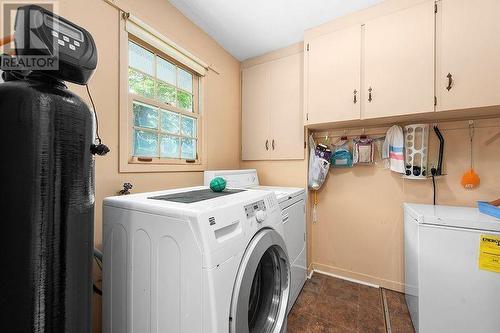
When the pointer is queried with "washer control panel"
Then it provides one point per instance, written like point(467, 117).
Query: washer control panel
point(253, 208)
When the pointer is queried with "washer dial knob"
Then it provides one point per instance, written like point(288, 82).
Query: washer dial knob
point(260, 216)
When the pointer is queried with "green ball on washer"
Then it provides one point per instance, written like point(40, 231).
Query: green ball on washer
point(218, 184)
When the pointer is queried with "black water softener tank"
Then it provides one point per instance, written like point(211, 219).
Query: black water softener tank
point(47, 182)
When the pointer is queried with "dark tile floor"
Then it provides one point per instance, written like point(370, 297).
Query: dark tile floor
point(328, 304)
point(398, 312)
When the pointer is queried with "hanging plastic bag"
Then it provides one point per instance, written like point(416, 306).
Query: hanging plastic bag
point(318, 166)
point(363, 150)
point(341, 156)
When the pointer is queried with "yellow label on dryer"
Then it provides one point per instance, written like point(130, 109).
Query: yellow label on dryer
point(489, 253)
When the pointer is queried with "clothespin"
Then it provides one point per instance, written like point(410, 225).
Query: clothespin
point(344, 137)
point(326, 142)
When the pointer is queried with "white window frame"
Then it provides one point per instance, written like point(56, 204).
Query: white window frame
point(136, 31)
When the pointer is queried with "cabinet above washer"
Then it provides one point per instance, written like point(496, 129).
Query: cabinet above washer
point(404, 61)
point(272, 116)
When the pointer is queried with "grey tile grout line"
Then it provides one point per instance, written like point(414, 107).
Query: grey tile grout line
point(386, 312)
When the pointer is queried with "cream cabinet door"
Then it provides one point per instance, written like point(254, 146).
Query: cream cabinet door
point(333, 77)
point(286, 127)
point(399, 63)
point(255, 113)
point(468, 54)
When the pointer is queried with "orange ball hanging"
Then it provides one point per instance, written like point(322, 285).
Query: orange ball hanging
point(470, 179)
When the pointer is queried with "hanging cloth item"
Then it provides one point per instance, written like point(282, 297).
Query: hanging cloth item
point(393, 149)
point(341, 156)
point(363, 150)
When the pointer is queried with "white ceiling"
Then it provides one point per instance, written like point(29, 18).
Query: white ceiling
point(248, 28)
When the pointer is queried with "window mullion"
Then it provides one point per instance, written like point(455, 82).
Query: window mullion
point(158, 131)
point(179, 152)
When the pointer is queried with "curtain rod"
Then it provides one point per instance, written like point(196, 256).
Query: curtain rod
point(126, 13)
point(113, 4)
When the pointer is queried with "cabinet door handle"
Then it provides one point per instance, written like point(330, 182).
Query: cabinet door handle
point(355, 100)
point(272, 144)
point(267, 144)
point(450, 81)
point(370, 99)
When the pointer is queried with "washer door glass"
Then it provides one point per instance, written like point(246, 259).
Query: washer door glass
point(261, 293)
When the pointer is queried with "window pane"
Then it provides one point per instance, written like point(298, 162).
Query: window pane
point(169, 146)
point(170, 122)
point(145, 116)
point(145, 143)
point(184, 100)
point(166, 71)
point(140, 58)
point(188, 126)
point(165, 93)
point(188, 149)
point(140, 84)
point(185, 80)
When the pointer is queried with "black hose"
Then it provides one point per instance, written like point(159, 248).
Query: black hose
point(434, 190)
point(441, 151)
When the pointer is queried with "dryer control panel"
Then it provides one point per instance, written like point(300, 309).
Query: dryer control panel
point(251, 209)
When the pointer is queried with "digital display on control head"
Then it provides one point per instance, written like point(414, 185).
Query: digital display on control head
point(63, 28)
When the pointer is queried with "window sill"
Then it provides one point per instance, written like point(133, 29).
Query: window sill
point(132, 166)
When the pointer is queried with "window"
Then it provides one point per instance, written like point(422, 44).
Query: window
point(164, 109)
point(162, 99)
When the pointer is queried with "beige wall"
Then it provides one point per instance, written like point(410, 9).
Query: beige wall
point(223, 96)
point(359, 233)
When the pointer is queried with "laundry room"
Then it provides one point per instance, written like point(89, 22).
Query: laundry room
point(263, 167)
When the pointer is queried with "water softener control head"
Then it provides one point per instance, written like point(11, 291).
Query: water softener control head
point(39, 32)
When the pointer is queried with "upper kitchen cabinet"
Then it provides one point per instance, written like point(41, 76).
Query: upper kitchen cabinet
point(398, 59)
point(333, 70)
point(255, 119)
point(287, 128)
point(272, 116)
point(468, 54)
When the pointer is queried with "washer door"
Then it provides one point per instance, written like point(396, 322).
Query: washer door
point(262, 286)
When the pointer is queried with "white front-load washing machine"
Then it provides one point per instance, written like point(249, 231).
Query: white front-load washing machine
point(292, 201)
point(192, 260)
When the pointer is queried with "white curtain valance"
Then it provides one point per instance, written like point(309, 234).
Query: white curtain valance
point(141, 30)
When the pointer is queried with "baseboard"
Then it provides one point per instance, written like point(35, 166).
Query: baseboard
point(347, 278)
point(361, 278)
point(310, 271)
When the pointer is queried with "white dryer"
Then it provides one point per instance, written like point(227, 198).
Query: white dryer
point(192, 260)
point(292, 203)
